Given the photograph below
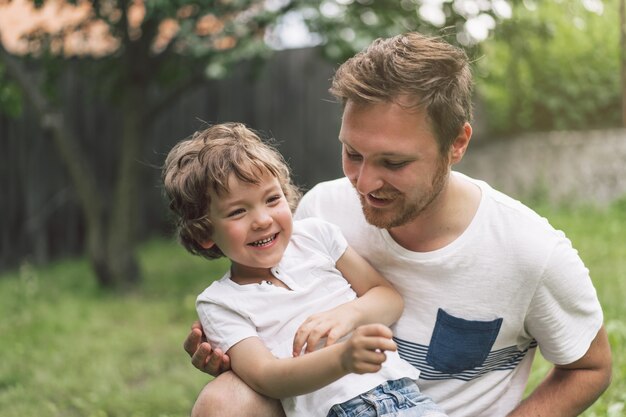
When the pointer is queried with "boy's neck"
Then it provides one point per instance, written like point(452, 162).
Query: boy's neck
point(249, 276)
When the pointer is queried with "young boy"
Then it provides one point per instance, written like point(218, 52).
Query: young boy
point(299, 313)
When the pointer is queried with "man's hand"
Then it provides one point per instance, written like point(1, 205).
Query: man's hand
point(365, 350)
point(203, 357)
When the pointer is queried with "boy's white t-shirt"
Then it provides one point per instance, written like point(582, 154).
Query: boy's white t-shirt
point(476, 309)
point(230, 312)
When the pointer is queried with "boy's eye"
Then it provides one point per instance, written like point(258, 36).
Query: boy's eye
point(235, 212)
point(274, 199)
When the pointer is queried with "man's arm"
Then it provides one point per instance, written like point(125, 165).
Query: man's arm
point(362, 353)
point(570, 389)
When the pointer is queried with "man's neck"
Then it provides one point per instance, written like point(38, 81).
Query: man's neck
point(444, 220)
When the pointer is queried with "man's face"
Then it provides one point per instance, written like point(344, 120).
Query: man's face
point(392, 158)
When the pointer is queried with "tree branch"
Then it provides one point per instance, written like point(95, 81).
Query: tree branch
point(172, 95)
point(52, 119)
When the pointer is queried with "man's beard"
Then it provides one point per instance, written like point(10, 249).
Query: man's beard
point(407, 211)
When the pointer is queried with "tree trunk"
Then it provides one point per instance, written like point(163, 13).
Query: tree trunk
point(110, 239)
point(122, 236)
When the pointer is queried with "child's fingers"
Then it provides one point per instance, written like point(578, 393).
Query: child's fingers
point(374, 330)
point(298, 341)
point(309, 335)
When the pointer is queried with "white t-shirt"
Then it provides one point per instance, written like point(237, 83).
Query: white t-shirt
point(476, 309)
point(230, 312)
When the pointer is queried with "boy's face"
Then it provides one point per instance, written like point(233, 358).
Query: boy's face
point(252, 225)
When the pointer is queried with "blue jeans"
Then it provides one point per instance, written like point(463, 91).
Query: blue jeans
point(400, 398)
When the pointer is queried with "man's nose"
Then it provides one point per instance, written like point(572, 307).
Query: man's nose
point(368, 179)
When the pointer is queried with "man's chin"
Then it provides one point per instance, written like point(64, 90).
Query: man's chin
point(388, 218)
point(377, 218)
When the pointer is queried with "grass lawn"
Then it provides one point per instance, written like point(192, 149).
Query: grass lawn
point(68, 349)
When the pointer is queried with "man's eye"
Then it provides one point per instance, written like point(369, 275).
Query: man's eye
point(353, 156)
point(395, 165)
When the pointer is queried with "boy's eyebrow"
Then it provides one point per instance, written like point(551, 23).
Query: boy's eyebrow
point(229, 200)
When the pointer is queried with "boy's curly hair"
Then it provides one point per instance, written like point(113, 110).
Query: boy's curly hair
point(203, 163)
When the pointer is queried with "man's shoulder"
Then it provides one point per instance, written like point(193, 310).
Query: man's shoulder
point(512, 215)
point(326, 198)
point(339, 186)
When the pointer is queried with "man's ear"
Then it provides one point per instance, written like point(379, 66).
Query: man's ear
point(207, 244)
point(460, 144)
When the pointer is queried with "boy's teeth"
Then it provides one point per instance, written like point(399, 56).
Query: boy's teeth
point(263, 242)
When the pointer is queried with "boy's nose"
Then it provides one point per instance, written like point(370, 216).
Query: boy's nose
point(261, 221)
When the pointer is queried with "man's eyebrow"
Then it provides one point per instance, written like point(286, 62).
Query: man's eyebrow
point(383, 154)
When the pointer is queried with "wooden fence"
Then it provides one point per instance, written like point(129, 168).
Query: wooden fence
point(39, 218)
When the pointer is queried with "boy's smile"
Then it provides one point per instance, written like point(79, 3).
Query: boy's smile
point(252, 225)
point(264, 242)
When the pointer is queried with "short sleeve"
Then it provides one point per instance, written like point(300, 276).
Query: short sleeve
point(223, 326)
point(565, 314)
point(327, 235)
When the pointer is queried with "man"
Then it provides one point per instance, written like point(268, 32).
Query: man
point(484, 278)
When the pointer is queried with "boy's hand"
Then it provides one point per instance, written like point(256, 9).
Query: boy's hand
point(203, 357)
point(365, 350)
point(329, 324)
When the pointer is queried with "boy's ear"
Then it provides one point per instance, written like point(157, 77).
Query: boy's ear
point(207, 244)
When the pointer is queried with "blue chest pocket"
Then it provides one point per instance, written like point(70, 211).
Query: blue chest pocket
point(458, 345)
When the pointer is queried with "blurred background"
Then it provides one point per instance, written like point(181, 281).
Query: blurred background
point(96, 297)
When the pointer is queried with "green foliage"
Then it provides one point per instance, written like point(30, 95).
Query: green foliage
point(69, 349)
point(232, 31)
point(553, 68)
point(348, 26)
point(10, 97)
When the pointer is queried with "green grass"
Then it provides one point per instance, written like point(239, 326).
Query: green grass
point(69, 349)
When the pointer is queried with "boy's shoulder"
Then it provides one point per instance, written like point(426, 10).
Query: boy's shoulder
point(314, 235)
point(217, 289)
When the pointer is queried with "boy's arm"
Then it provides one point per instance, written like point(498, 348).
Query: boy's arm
point(362, 353)
point(377, 302)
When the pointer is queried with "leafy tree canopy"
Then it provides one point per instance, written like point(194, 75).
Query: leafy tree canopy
point(554, 67)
